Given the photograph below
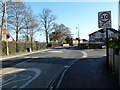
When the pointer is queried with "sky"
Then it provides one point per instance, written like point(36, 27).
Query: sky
point(78, 14)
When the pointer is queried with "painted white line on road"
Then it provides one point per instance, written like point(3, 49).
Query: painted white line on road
point(25, 61)
point(37, 71)
point(5, 70)
point(67, 67)
point(32, 57)
point(27, 57)
point(55, 51)
point(14, 87)
point(14, 75)
point(26, 77)
point(84, 54)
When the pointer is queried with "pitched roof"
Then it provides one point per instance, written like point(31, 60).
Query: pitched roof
point(102, 31)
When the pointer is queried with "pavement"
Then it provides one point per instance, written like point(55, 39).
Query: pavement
point(89, 73)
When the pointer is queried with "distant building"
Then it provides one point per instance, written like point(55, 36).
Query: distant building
point(75, 41)
point(4, 35)
point(100, 35)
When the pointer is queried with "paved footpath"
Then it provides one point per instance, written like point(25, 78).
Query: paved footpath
point(88, 73)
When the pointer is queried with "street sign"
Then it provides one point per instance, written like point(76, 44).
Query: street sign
point(104, 19)
point(8, 36)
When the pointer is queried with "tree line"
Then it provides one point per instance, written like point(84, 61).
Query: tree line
point(24, 24)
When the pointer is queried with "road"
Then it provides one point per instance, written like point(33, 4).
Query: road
point(42, 69)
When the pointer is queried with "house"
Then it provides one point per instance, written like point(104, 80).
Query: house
point(75, 41)
point(100, 35)
point(4, 35)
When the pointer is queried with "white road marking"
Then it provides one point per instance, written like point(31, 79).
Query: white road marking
point(55, 51)
point(67, 67)
point(14, 87)
point(14, 75)
point(25, 61)
point(28, 77)
point(84, 54)
point(37, 73)
point(27, 57)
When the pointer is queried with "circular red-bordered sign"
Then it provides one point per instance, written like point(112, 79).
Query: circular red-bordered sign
point(104, 17)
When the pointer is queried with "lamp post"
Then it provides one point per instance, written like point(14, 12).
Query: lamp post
point(78, 36)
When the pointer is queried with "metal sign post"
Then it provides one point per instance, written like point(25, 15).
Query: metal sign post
point(107, 48)
point(104, 21)
point(7, 37)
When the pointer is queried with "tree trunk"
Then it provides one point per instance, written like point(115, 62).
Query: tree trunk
point(27, 35)
point(31, 42)
point(47, 38)
point(17, 41)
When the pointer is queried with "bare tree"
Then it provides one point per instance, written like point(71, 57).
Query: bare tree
point(16, 17)
point(31, 25)
point(27, 23)
point(46, 20)
point(35, 27)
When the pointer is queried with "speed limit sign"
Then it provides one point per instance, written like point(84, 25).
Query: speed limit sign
point(104, 19)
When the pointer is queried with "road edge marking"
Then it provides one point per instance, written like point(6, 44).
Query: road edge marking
point(84, 54)
point(60, 80)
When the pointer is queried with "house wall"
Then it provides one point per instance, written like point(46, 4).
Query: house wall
point(98, 36)
point(75, 41)
point(4, 33)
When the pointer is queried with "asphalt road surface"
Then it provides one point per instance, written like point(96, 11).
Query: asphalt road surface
point(41, 69)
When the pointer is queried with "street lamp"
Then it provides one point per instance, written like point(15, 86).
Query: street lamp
point(78, 36)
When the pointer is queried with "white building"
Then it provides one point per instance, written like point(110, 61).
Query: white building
point(100, 35)
point(4, 34)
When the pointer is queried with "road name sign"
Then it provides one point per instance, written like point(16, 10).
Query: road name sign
point(104, 19)
point(7, 36)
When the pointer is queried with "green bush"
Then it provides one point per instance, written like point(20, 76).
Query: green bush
point(52, 44)
point(114, 42)
point(95, 45)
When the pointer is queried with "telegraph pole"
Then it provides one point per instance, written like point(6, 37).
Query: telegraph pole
point(7, 36)
point(78, 36)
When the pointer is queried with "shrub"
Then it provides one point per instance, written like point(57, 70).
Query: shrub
point(114, 42)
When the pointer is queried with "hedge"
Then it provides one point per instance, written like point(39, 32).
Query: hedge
point(22, 47)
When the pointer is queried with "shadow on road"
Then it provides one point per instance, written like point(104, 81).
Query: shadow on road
point(69, 48)
point(89, 73)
